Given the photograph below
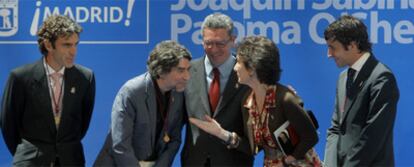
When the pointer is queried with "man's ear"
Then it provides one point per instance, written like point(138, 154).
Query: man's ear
point(353, 46)
point(48, 45)
point(161, 76)
point(233, 40)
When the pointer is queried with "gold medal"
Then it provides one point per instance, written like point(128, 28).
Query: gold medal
point(57, 120)
point(166, 138)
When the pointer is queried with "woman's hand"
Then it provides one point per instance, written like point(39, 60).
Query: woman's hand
point(211, 126)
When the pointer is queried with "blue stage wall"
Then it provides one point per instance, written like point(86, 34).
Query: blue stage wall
point(118, 35)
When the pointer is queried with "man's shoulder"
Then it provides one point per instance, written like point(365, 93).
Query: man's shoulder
point(80, 73)
point(383, 68)
point(82, 69)
point(376, 69)
point(382, 73)
point(25, 70)
point(137, 84)
point(199, 60)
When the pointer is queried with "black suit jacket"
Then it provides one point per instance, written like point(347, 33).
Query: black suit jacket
point(362, 127)
point(27, 120)
point(200, 146)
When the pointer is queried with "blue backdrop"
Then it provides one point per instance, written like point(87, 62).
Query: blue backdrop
point(118, 35)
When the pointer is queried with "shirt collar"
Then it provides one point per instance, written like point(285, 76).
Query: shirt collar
point(225, 69)
point(50, 70)
point(270, 100)
point(361, 61)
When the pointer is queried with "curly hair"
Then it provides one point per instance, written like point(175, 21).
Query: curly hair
point(260, 54)
point(165, 56)
point(349, 29)
point(56, 26)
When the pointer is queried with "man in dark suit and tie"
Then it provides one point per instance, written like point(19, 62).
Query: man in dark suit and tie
point(47, 105)
point(213, 91)
point(366, 101)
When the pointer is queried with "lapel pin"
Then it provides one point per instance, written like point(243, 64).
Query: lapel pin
point(361, 84)
point(73, 90)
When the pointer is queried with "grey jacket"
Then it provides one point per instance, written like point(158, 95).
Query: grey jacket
point(133, 126)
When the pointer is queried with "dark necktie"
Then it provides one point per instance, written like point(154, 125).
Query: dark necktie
point(349, 81)
point(214, 92)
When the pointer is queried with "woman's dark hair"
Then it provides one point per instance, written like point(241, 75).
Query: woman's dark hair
point(262, 55)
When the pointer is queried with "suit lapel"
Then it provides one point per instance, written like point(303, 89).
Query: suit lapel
point(69, 90)
point(150, 102)
point(40, 86)
point(199, 85)
point(341, 95)
point(229, 91)
point(359, 83)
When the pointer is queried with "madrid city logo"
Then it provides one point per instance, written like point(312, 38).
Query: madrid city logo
point(8, 15)
point(104, 21)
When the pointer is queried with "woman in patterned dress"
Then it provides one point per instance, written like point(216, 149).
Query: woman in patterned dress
point(267, 107)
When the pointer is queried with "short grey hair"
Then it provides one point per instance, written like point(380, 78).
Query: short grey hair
point(56, 26)
point(165, 56)
point(218, 21)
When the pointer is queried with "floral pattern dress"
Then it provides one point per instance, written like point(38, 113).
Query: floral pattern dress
point(263, 137)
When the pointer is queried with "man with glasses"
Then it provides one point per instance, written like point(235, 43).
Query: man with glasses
point(213, 92)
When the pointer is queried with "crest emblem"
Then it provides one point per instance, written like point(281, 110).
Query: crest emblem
point(8, 17)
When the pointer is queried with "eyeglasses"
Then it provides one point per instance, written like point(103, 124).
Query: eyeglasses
point(219, 44)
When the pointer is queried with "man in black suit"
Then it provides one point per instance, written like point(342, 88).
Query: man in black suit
point(222, 103)
point(47, 105)
point(366, 101)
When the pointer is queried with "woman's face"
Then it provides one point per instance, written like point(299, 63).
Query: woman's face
point(244, 75)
